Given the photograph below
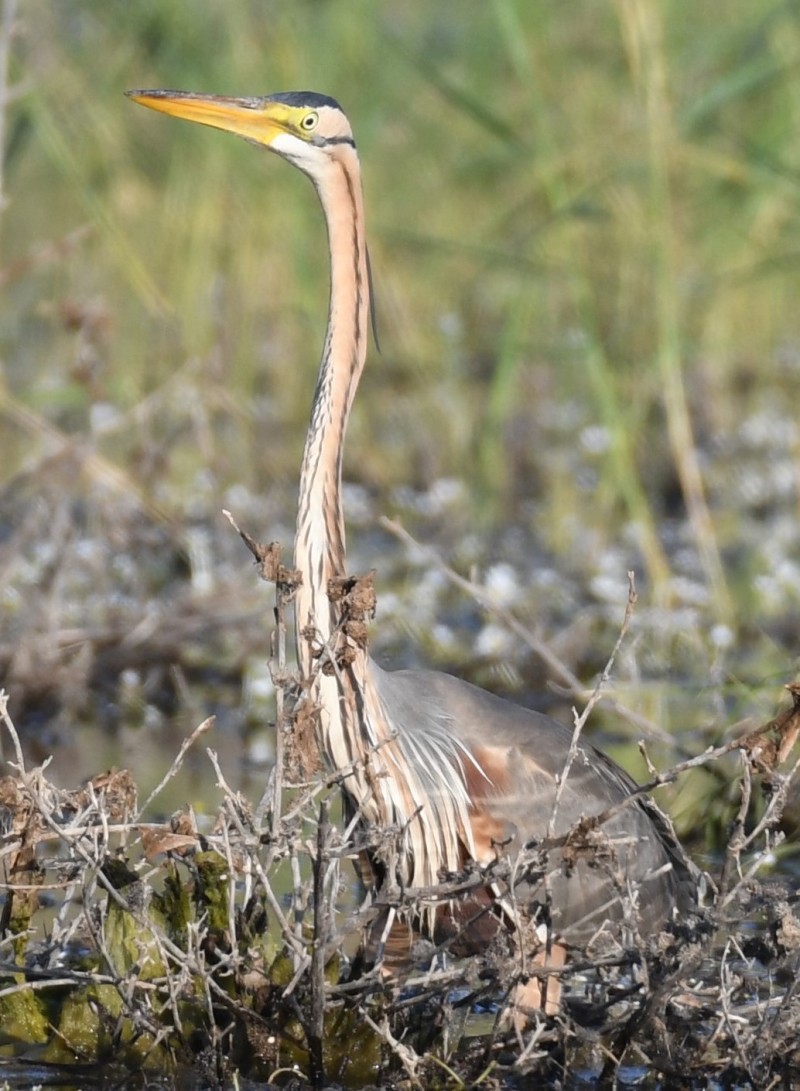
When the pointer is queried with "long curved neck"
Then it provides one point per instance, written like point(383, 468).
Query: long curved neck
point(354, 729)
point(320, 538)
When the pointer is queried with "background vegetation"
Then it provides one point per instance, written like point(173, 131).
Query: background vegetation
point(585, 240)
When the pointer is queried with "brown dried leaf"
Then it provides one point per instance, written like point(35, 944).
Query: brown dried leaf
point(789, 729)
point(787, 931)
point(356, 593)
point(11, 794)
point(358, 632)
point(268, 558)
point(116, 791)
point(302, 758)
point(356, 598)
point(772, 743)
point(157, 840)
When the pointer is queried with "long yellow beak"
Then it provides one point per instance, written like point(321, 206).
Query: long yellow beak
point(256, 119)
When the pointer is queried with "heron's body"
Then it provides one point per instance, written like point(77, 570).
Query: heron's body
point(519, 756)
point(460, 774)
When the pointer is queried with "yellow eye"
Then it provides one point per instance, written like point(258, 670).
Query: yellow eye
point(309, 122)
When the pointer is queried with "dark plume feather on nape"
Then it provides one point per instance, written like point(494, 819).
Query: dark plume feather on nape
point(311, 99)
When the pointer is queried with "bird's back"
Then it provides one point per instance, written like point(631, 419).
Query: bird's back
point(512, 760)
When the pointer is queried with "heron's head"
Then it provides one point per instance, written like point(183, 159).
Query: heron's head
point(306, 128)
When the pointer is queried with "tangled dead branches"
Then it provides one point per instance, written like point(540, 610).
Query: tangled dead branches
point(234, 943)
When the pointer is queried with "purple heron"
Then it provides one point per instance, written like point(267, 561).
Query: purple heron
point(461, 776)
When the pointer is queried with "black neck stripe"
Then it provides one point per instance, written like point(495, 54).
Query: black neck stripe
point(338, 140)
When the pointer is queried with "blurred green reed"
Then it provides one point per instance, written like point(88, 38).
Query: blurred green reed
point(590, 205)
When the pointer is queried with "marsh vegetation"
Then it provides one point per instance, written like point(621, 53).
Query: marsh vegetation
point(585, 239)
